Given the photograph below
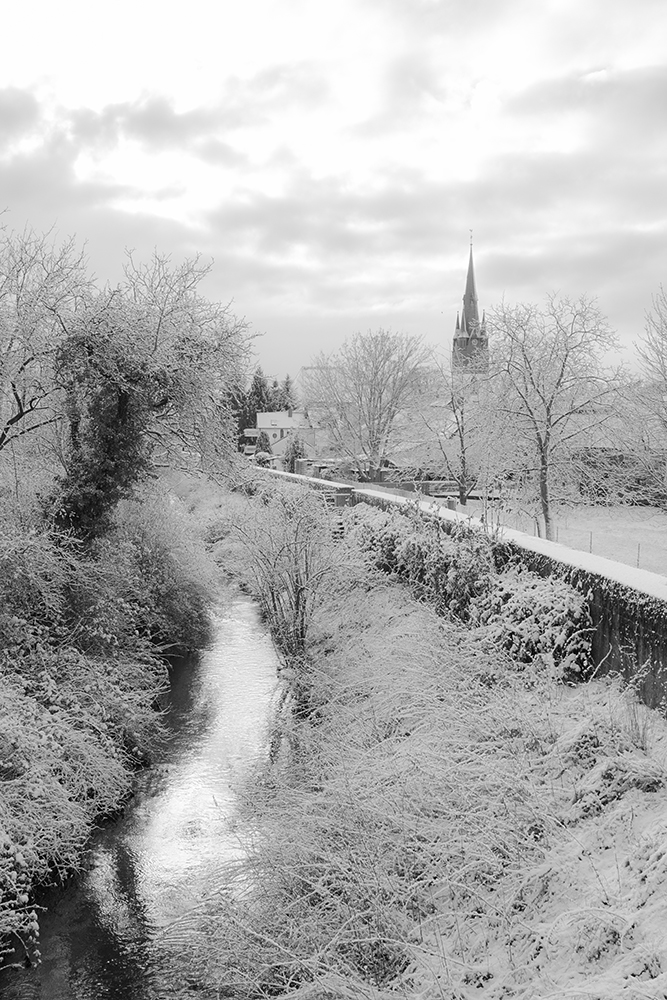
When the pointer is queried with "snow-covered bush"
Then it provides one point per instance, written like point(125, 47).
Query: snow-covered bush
point(448, 569)
point(531, 616)
point(285, 533)
point(80, 677)
point(378, 534)
point(526, 614)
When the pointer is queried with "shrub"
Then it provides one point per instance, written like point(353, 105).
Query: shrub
point(285, 531)
point(294, 449)
point(80, 677)
point(160, 568)
point(526, 614)
point(531, 616)
point(448, 569)
point(399, 804)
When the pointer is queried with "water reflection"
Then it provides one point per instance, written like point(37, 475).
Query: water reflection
point(101, 938)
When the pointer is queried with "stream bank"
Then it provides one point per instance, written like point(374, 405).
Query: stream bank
point(108, 934)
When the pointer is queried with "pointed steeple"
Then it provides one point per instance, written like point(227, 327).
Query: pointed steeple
point(470, 351)
point(470, 310)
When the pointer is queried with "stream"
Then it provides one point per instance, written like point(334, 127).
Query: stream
point(102, 937)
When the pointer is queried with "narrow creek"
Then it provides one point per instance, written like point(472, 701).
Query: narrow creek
point(102, 937)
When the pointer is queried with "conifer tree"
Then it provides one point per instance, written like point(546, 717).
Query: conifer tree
point(288, 397)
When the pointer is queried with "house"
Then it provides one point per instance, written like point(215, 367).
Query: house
point(280, 424)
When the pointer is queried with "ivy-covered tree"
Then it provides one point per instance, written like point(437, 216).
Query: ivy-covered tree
point(146, 370)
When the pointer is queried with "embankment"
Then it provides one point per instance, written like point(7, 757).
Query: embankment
point(81, 633)
point(436, 818)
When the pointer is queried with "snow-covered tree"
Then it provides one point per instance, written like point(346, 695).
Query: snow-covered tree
point(554, 388)
point(360, 391)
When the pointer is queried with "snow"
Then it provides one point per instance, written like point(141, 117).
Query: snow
point(652, 584)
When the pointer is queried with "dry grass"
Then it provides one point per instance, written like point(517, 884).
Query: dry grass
point(442, 825)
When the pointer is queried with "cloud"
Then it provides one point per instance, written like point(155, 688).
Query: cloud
point(408, 83)
point(155, 122)
point(629, 104)
point(19, 113)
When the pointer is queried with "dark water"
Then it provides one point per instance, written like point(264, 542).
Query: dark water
point(106, 936)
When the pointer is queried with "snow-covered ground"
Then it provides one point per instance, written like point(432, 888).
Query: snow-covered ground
point(631, 535)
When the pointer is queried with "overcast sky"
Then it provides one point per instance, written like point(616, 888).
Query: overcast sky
point(332, 155)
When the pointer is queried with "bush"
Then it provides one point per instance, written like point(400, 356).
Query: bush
point(80, 678)
point(447, 568)
point(166, 575)
point(526, 614)
point(285, 533)
point(399, 804)
point(531, 616)
point(294, 449)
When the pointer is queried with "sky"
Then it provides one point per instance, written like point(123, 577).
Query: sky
point(331, 158)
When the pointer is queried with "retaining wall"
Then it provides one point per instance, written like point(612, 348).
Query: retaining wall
point(628, 606)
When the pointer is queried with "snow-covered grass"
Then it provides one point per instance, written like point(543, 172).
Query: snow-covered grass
point(621, 533)
point(446, 823)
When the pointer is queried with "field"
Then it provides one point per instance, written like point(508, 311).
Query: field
point(631, 535)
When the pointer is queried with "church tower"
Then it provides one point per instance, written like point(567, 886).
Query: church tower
point(470, 350)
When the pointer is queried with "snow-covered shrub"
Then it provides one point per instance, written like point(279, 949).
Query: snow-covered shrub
point(286, 537)
point(447, 568)
point(378, 534)
point(471, 571)
point(79, 682)
point(525, 613)
point(164, 571)
point(531, 616)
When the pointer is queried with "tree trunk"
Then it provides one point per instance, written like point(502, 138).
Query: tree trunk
point(545, 500)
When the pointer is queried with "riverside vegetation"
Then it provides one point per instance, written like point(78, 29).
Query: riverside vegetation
point(81, 632)
point(452, 805)
point(102, 389)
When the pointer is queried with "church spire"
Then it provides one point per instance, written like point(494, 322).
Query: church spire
point(470, 310)
point(470, 338)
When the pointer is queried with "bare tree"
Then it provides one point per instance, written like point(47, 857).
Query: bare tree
point(646, 404)
point(652, 349)
point(456, 418)
point(361, 391)
point(41, 286)
point(556, 388)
